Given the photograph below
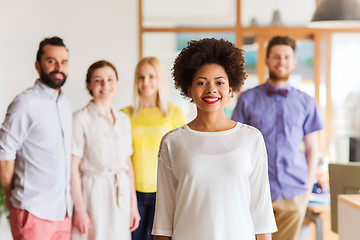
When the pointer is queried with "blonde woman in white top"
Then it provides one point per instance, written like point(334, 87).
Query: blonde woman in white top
point(102, 177)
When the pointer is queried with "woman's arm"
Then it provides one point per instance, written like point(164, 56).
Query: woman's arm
point(265, 236)
point(134, 213)
point(81, 218)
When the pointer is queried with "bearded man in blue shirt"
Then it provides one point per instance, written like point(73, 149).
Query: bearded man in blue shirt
point(287, 117)
point(35, 154)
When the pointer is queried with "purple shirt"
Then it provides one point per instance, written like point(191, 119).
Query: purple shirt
point(283, 121)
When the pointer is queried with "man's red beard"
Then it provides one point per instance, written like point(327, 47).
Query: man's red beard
point(277, 77)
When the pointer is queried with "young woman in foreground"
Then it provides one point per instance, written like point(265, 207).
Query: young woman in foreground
point(212, 177)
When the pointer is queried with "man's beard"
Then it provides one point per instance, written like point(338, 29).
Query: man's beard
point(50, 81)
point(277, 77)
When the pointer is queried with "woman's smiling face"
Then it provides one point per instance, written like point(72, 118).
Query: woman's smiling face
point(103, 83)
point(210, 89)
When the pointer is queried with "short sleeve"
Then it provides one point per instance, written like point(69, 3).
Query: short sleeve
point(127, 111)
point(78, 137)
point(261, 205)
point(165, 195)
point(14, 130)
point(313, 120)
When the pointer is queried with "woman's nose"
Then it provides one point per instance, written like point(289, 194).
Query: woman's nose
point(211, 90)
point(104, 83)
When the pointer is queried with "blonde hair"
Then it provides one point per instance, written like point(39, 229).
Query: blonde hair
point(162, 91)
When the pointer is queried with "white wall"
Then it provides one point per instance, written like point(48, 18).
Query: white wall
point(220, 13)
point(91, 29)
point(292, 13)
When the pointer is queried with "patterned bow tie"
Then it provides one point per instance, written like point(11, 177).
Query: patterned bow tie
point(282, 92)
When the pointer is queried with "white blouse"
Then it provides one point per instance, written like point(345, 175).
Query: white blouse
point(213, 185)
point(100, 143)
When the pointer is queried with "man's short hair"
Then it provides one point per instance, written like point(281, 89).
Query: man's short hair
point(55, 41)
point(280, 40)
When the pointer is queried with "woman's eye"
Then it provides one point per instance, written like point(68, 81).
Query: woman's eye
point(219, 83)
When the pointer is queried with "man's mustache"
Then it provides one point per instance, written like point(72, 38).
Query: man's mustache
point(56, 72)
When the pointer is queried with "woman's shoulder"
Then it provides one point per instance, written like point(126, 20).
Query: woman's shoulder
point(127, 110)
point(85, 116)
point(250, 131)
point(173, 134)
point(175, 111)
point(122, 115)
point(82, 112)
point(122, 120)
point(175, 116)
point(173, 108)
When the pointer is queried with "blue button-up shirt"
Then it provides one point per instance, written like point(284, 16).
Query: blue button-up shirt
point(283, 121)
point(36, 133)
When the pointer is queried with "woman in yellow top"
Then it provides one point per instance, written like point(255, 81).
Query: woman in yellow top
point(151, 118)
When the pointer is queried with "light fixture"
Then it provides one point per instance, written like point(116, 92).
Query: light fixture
point(336, 13)
point(253, 22)
point(276, 19)
point(249, 40)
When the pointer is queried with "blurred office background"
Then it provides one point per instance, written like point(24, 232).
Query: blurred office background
point(124, 31)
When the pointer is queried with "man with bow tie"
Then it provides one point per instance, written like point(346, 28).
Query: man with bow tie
point(287, 117)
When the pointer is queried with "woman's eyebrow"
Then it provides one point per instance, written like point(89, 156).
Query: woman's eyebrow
point(200, 78)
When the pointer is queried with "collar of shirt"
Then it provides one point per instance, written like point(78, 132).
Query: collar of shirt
point(95, 110)
point(269, 87)
point(48, 91)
